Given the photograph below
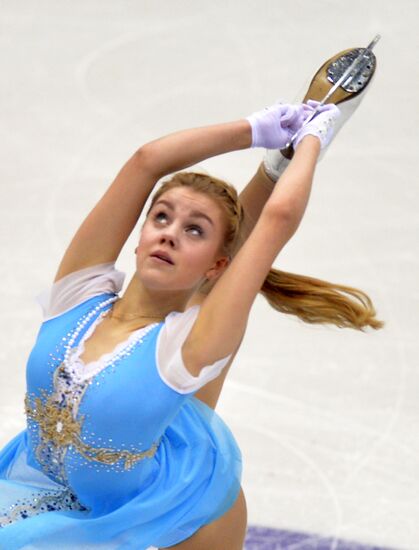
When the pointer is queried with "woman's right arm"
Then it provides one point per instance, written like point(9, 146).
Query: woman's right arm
point(103, 233)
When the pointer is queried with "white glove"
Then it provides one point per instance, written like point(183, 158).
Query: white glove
point(274, 126)
point(321, 125)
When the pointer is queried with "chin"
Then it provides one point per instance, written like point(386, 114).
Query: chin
point(164, 283)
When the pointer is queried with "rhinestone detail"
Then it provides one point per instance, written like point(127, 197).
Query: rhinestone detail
point(47, 501)
point(54, 416)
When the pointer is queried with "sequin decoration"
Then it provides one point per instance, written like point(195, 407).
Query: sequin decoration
point(54, 416)
point(47, 501)
point(60, 428)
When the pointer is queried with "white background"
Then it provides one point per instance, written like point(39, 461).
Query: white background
point(327, 418)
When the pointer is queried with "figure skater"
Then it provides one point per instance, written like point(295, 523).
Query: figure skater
point(123, 448)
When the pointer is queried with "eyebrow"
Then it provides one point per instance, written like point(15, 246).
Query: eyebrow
point(194, 213)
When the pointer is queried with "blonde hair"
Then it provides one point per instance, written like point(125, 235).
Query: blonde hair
point(311, 300)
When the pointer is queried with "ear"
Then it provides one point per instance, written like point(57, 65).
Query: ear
point(218, 268)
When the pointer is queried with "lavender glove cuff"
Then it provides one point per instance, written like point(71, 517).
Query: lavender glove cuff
point(321, 126)
point(273, 126)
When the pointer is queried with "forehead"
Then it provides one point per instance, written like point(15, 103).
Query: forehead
point(188, 199)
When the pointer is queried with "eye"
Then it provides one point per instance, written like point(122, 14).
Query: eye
point(159, 215)
point(196, 228)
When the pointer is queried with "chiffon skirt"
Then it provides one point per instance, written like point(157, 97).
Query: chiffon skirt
point(196, 474)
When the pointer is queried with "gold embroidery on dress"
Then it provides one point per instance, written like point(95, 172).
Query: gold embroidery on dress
point(53, 421)
point(57, 425)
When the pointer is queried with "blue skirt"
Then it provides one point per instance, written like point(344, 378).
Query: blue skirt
point(194, 478)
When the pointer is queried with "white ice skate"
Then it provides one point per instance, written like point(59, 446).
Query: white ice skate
point(343, 80)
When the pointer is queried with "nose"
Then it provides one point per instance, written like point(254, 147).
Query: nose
point(169, 236)
point(168, 240)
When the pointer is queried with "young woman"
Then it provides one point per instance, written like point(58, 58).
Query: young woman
point(123, 448)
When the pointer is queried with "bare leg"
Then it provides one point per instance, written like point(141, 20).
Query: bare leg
point(225, 533)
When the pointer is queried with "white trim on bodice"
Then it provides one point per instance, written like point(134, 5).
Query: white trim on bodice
point(82, 370)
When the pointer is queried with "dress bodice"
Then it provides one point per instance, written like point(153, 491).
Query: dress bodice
point(88, 424)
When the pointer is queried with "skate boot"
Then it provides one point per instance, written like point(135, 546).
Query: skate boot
point(343, 80)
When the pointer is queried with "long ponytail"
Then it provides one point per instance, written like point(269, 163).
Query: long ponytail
point(312, 300)
point(317, 301)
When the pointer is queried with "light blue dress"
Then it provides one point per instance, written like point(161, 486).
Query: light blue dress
point(119, 460)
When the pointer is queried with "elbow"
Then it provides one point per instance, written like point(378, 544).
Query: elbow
point(282, 212)
point(283, 220)
point(146, 158)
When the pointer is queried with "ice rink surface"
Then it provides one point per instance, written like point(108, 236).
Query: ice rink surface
point(327, 418)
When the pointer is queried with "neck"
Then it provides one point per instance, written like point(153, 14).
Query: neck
point(140, 305)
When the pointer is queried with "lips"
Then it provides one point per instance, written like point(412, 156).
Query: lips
point(162, 256)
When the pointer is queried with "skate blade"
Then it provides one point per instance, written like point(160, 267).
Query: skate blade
point(331, 71)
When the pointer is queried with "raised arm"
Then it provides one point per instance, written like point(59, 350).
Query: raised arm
point(252, 198)
point(223, 316)
point(103, 233)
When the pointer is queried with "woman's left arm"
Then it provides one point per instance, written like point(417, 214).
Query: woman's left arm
point(252, 198)
point(223, 316)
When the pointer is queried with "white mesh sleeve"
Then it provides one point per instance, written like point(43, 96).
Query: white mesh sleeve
point(79, 286)
point(169, 354)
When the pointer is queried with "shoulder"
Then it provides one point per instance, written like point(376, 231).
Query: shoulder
point(169, 359)
point(79, 286)
point(181, 318)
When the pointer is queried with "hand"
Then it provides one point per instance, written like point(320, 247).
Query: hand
point(274, 126)
point(321, 125)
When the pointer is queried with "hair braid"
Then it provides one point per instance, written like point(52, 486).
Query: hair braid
point(312, 300)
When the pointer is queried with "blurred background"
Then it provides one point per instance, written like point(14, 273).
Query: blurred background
point(327, 418)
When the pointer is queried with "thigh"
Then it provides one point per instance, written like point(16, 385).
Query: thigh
point(225, 533)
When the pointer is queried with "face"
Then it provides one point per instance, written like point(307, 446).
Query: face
point(187, 227)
